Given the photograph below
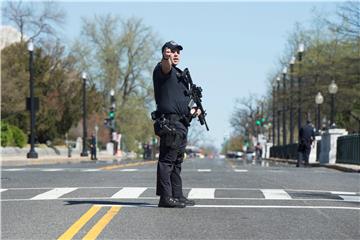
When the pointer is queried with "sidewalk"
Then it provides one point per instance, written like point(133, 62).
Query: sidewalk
point(17, 157)
point(338, 166)
point(48, 159)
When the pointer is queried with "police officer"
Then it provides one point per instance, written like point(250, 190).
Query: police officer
point(306, 137)
point(172, 102)
point(93, 146)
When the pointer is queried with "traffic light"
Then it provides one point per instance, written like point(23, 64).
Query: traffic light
point(111, 114)
point(260, 120)
point(257, 119)
point(110, 120)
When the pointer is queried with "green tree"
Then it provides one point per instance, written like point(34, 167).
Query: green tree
point(14, 85)
point(234, 143)
point(57, 85)
point(134, 123)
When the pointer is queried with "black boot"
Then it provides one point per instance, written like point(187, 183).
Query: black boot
point(186, 201)
point(170, 202)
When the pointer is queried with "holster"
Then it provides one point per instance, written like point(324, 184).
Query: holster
point(165, 128)
point(162, 125)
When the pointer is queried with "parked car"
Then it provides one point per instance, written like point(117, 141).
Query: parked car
point(250, 155)
point(233, 154)
point(239, 154)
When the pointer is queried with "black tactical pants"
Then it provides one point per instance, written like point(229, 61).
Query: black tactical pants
point(172, 149)
point(304, 155)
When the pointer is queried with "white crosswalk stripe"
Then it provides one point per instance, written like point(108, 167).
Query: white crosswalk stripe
point(350, 198)
point(129, 170)
point(275, 194)
point(240, 170)
point(53, 194)
point(14, 169)
point(52, 170)
point(16, 194)
point(129, 192)
point(202, 193)
point(343, 193)
point(204, 170)
point(91, 170)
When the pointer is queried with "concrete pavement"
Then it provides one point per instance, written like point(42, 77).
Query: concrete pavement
point(234, 199)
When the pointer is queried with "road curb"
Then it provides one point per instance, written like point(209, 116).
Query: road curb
point(282, 160)
point(342, 168)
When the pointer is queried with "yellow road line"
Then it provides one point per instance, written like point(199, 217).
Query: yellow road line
point(75, 228)
point(126, 165)
point(101, 224)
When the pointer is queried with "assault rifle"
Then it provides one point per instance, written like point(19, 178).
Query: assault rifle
point(195, 95)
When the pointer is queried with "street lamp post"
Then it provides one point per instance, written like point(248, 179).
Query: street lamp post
point(292, 62)
point(113, 135)
point(96, 128)
point(278, 112)
point(84, 152)
point(32, 153)
point(333, 88)
point(273, 120)
point(257, 121)
point(284, 106)
point(112, 113)
point(319, 99)
point(300, 53)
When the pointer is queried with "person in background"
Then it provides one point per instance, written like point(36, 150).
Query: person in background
point(258, 151)
point(306, 138)
point(93, 147)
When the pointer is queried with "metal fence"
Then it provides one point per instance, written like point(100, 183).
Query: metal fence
point(286, 152)
point(348, 149)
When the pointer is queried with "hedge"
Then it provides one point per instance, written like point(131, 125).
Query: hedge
point(12, 136)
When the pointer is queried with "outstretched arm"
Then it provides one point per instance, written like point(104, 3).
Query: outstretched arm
point(166, 61)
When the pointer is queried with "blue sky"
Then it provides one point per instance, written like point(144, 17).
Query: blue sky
point(230, 48)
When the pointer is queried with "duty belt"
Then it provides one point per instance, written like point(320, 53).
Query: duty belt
point(173, 117)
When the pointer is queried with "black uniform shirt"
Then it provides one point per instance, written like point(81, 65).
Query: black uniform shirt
point(170, 91)
point(307, 133)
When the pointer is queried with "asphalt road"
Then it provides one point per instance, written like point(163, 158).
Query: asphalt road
point(235, 199)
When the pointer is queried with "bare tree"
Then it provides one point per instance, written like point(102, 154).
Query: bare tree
point(124, 56)
point(243, 117)
point(196, 134)
point(31, 20)
point(349, 14)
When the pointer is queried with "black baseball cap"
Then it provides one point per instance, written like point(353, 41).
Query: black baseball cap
point(172, 45)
